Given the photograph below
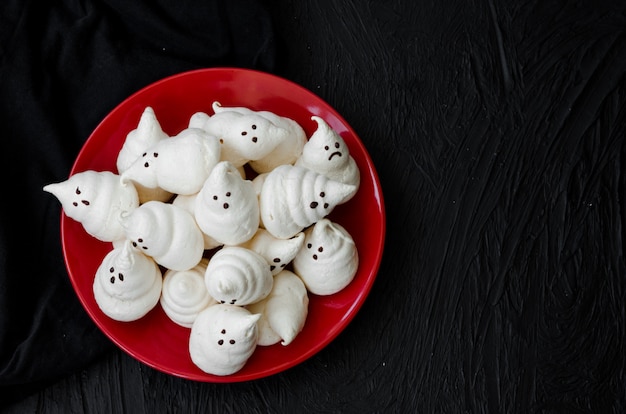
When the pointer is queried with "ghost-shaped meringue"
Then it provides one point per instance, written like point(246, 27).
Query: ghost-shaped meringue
point(222, 339)
point(184, 294)
point(238, 276)
point(243, 137)
point(127, 284)
point(327, 153)
point(277, 252)
point(188, 203)
point(97, 200)
point(287, 151)
point(283, 311)
point(227, 207)
point(328, 261)
point(179, 164)
point(165, 232)
point(293, 198)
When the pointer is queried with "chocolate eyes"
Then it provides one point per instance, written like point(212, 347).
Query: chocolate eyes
point(221, 341)
point(320, 249)
point(225, 205)
point(244, 133)
point(327, 147)
point(119, 275)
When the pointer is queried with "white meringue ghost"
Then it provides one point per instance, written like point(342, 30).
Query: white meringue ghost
point(243, 137)
point(184, 294)
point(328, 261)
point(167, 233)
point(283, 311)
point(238, 276)
point(127, 284)
point(293, 198)
point(227, 207)
point(327, 153)
point(97, 200)
point(147, 134)
point(222, 339)
point(287, 151)
point(179, 164)
point(188, 203)
point(277, 252)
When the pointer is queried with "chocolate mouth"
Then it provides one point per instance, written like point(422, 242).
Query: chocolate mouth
point(333, 154)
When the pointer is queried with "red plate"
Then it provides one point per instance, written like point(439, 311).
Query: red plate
point(154, 339)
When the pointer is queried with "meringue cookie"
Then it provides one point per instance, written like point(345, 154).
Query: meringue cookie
point(147, 134)
point(184, 294)
point(283, 311)
point(165, 232)
point(179, 164)
point(188, 203)
point(327, 153)
point(222, 339)
point(329, 260)
point(227, 207)
point(277, 252)
point(287, 152)
point(244, 137)
point(293, 198)
point(96, 200)
point(127, 284)
point(238, 276)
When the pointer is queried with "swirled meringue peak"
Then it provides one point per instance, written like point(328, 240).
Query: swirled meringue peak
point(238, 276)
point(293, 198)
point(97, 200)
point(287, 151)
point(277, 252)
point(147, 134)
point(179, 164)
point(222, 339)
point(165, 232)
point(328, 261)
point(227, 207)
point(244, 136)
point(283, 311)
point(184, 294)
point(127, 284)
point(327, 153)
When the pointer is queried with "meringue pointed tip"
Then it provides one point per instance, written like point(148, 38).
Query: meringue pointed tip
point(216, 105)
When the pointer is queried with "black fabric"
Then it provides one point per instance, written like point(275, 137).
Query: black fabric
point(63, 66)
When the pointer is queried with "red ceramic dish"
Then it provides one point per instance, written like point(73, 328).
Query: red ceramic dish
point(154, 339)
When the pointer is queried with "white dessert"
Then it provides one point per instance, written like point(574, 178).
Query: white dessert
point(184, 294)
point(147, 134)
point(277, 252)
point(179, 164)
point(287, 151)
point(227, 207)
point(293, 198)
point(327, 153)
point(188, 203)
point(127, 284)
point(97, 200)
point(222, 339)
point(283, 311)
point(328, 261)
point(167, 233)
point(243, 137)
point(238, 276)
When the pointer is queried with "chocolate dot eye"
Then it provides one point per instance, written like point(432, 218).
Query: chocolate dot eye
point(253, 126)
point(146, 165)
point(322, 194)
point(272, 267)
point(144, 247)
point(144, 154)
point(226, 205)
point(254, 139)
point(121, 277)
point(77, 190)
point(309, 245)
point(244, 133)
point(111, 269)
point(320, 249)
point(232, 342)
point(313, 204)
point(223, 331)
point(156, 154)
point(276, 260)
point(221, 140)
point(222, 301)
point(326, 147)
point(112, 280)
point(283, 265)
point(314, 257)
point(325, 205)
point(220, 342)
point(228, 194)
point(336, 145)
point(85, 202)
point(134, 244)
point(140, 240)
point(232, 301)
point(75, 204)
point(214, 197)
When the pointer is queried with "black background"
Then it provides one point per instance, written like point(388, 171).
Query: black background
point(498, 132)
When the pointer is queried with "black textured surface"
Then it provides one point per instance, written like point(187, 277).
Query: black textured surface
point(498, 130)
